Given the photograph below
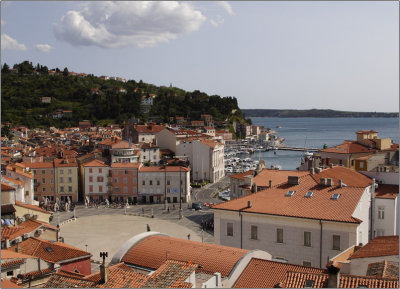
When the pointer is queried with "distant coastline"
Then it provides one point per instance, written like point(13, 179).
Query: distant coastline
point(313, 113)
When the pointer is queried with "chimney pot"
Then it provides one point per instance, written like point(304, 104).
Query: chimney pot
point(270, 183)
point(312, 171)
point(249, 204)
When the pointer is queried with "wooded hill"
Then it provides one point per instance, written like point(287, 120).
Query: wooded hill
point(98, 100)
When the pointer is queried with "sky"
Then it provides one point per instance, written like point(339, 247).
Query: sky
point(340, 55)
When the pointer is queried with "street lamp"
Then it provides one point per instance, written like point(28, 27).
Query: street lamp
point(180, 192)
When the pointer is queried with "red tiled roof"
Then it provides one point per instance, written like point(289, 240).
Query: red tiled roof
point(125, 165)
point(124, 277)
point(14, 181)
point(273, 201)
point(70, 162)
point(122, 145)
point(95, 163)
point(241, 175)
point(11, 263)
point(38, 165)
point(348, 147)
point(266, 274)
point(298, 279)
point(13, 232)
point(11, 254)
point(58, 280)
point(383, 269)
point(32, 207)
point(164, 168)
point(153, 251)
point(149, 128)
point(350, 177)
point(386, 191)
point(366, 131)
point(211, 143)
point(8, 284)
point(378, 247)
point(5, 187)
point(53, 252)
point(276, 176)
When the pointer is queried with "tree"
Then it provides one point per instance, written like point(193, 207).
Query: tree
point(65, 71)
point(5, 68)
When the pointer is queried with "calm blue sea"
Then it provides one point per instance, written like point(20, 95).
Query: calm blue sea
point(315, 132)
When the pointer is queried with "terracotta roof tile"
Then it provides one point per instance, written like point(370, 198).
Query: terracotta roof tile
point(241, 175)
point(350, 177)
point(8, 284)
point(164, 168)
point(5, 187)
point(366, 131)
point(125, 165)
point(298, 280)
point(276, 176)
point(123, 144)
point(211, 143)
point(14, 181)
point(273, 201)
point(13, 232)
point(39, 165)
point(95, 163)
point(387, 191)
point(54, 252)
point(61, 281)
point(378, 247)
point(149, 128)
point(11, 254)
point(11, 263)
point(32, 207)
point(266, 274)
point(383, 269)
point(153, 251)
point(69, 162)
point(347, 147)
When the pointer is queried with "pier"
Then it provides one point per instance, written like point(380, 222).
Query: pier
point(284, 148)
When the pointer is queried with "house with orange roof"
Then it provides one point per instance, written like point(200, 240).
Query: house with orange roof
point(206, 158)
point(159, 183)
point(23, 210)
point(218, 266)
point(44, 180)
point(96, 180)
point(169, 138)
point(305, 219)
point(141, 133)
point(149, 153)
point(123, 182)
point(66, 175)
point(69, 258)
point(15, 264)
point(20, 172)
point(385, 210)
point(124, 152)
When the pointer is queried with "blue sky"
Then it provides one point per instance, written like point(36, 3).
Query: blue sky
point(286, 54)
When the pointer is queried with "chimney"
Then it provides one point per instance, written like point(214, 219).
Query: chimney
point(331, 165)
point(329, 182)
point(217, 280)
point(7, 243)
point(248, 204)
point(270, 183)
point(312, 171)
point(103, 268)
point(333, 274)
point(18, 249)
point(318, 170)
point(293, 180)
point(340, 183)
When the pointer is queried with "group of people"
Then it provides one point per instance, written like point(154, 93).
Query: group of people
point(207, 225)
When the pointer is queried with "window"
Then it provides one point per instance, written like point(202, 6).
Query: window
point(279, 235)
point(69, 171)
point(335, 196)
point(69, 189)
point(144, 157)
point(168, 182)
point(253, 232)
point(361, 165)
point(100, 170)
point(90, 179)
point(52, 190)
point(229, 229)
point(290, 193)
point(144, 183)
point(43, 172)
point(125, 189)
point(62, 189)
point(336, 242)
point(158, 182)
point(115, 180)
point(134, 180)
point(43, 190)
point(309, 194)
point(125, 172)
point(134, 189)
point(43, 181)
point(10, 273)
point(70, 180)
point(51, 181)
point(61, 180)
point(61, 172)
point(381, 213)
point(307, 263)
point(151, 182)
point(100, 179)
point(307, 239)
point(91, 189)
point(125, 180)
point(380, 232)
point(90, 170)
point(100, 189)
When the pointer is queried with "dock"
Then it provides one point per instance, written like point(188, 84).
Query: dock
point(296, 149)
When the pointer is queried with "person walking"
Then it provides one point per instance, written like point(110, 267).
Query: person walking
point(188, 236)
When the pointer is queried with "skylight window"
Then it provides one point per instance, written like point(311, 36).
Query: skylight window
point(309, 194)
point(335, 196)
point(49, 249)
point(290, 193)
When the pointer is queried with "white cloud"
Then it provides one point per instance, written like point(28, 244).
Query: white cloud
point(227, 7)
point(10, 43)
point(217, 22)
point(136, 23)
point(43, 47)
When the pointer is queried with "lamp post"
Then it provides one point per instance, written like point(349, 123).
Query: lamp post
point(180, 192)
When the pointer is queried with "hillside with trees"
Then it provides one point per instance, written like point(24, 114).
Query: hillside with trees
point(103, 101)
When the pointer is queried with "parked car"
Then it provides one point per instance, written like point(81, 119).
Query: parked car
point(196, 206)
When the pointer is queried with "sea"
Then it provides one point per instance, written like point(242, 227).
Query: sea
point(317, 132)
